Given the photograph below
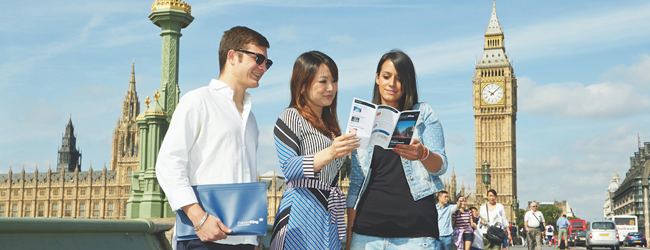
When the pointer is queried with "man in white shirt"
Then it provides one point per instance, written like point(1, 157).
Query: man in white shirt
point(212, 138)
point(534, 223)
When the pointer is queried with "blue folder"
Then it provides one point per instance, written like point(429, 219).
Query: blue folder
point(240, 206)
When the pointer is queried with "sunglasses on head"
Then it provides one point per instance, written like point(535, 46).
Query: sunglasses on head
point(259, 58)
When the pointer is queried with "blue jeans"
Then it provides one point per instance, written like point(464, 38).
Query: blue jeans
point(446, 242)
point(364, 242)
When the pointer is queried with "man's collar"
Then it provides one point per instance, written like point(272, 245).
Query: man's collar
point(224, 89)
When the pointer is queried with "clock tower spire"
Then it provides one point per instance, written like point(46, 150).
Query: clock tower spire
point(495, 116)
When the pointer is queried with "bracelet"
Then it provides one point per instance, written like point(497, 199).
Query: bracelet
point(427, 154)
point(205, 217)
point(423, 154)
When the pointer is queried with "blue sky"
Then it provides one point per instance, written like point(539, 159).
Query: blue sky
point(581, 69)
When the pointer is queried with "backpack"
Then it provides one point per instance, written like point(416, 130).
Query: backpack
point(549, 229)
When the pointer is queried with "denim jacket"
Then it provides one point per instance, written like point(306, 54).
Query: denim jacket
point(421, 182)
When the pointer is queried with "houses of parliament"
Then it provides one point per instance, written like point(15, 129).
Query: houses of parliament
point(68, 192)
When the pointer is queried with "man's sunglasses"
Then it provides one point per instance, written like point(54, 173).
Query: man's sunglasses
point(259, 58)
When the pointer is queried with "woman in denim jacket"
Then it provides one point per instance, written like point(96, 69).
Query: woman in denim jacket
point(390, 202)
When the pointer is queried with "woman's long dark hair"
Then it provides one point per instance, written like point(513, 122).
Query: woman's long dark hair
point(405, 74)
point(304, 72)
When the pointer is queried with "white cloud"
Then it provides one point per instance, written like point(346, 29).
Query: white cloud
point(620, 139)
point(571, 99)
point(635, 75)
point(589, 31)
point(342, 39)
point(582, 33)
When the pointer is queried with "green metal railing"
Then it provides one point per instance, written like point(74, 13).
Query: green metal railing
point(51, 233)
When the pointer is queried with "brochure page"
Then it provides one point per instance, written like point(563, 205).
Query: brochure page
point(384, 124)
point(403, 133)
point(381, 125)
point(362, 117)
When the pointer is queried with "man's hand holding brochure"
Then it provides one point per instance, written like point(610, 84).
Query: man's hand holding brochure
point(381, 125)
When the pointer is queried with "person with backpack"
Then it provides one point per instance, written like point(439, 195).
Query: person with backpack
point(549, 234)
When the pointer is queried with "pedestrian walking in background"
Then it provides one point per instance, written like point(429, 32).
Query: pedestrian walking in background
point(444, 220)
point(534, 223)
point(477, 244)
point(493, 213)
point(463, 225)
point(513, 233)
point(549, 234)
point(563, 233)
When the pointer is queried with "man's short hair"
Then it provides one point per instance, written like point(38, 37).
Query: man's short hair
point(564, 215)
point(441, 192)
point(472, 208)
point(237, 38)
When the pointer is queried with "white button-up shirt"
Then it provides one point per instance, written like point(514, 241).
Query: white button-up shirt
point(208, 142)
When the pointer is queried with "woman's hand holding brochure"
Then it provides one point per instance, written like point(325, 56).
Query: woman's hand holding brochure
point(412, 152)
point(341, 146)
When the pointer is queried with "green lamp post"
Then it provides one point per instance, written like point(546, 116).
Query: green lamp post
point(147, 199)
point(486, 177)
point(171, 16)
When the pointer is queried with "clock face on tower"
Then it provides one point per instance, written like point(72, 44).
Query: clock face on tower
point(492, 93)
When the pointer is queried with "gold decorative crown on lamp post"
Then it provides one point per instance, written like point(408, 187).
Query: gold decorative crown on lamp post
point(171, 4)
point(147, 101)
point(156, 95)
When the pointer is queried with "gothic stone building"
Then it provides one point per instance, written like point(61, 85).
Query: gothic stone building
point(628, 198)
point(70, 192)
point(495, 115)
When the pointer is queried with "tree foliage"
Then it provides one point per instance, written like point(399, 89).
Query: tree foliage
point(520, 218)
point(551, 214)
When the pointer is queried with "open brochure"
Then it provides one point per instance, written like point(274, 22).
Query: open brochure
point(380, 124)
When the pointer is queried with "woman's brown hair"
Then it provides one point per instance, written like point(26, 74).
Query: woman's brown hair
point(405, 73)
point(304, 72)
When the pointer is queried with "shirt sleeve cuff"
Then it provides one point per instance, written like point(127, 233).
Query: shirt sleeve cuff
point(443, 167)
point(182, 197)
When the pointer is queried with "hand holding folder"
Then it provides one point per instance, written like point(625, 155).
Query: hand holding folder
point(240, 206)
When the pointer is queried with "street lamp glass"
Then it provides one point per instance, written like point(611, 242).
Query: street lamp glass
point(486, 173)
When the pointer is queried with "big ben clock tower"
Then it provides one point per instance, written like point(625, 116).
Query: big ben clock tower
point(495, 116)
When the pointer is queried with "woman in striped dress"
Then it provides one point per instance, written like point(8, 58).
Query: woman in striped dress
point(311, 148)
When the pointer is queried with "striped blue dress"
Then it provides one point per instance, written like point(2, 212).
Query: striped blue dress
point(310, 215)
